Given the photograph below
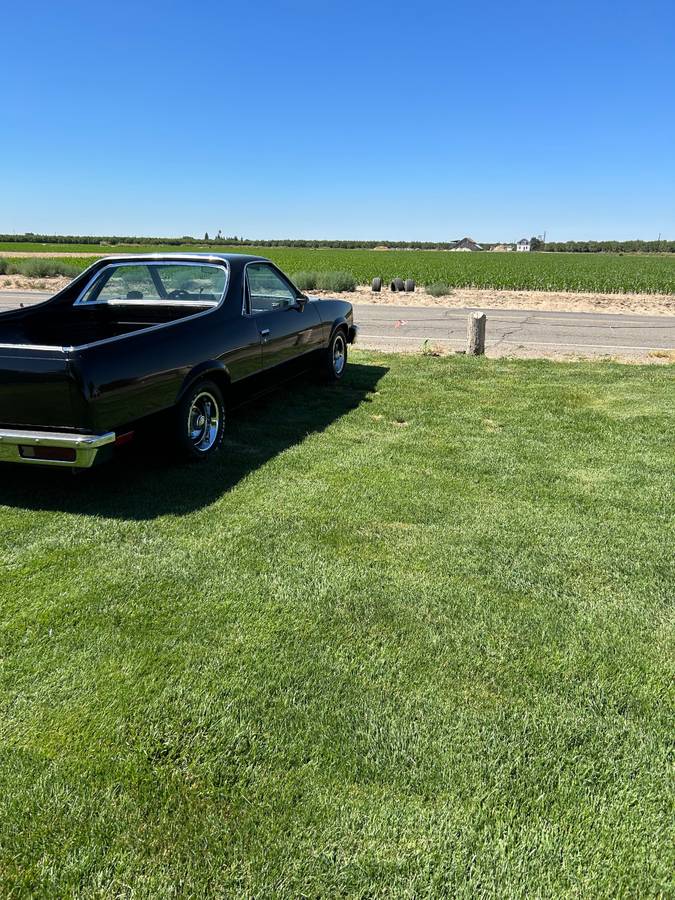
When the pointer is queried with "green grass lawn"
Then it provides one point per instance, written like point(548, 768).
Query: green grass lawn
point(411, 636)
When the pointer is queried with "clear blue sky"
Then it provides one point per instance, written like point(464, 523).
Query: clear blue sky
point(375, 120)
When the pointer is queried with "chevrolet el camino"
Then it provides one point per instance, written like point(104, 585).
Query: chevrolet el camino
point(163, 339)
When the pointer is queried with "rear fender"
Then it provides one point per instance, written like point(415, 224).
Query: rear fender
point(211, 370)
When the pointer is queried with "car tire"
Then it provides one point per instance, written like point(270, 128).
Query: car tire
point(409, 285)
point(397, 284)
point(198, 425)
point(377, 285)
point(335, 356)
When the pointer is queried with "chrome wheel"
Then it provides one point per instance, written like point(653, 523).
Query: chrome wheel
point(204, 422)
point(339, 354)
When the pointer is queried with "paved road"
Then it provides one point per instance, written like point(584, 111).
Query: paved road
point(12, 299)
point(398, 327)
point(407, 327)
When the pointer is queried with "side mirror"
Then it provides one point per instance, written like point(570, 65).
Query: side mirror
point(301, 301)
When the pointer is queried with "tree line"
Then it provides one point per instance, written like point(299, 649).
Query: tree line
point(31, 237)
point(609, 247)
point(635, 246)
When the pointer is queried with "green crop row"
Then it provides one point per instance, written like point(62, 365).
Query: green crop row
point(536, 271)
point(509, 271)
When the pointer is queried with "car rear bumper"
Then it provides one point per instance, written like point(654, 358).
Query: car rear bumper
point(52, 448)
point(353, 334)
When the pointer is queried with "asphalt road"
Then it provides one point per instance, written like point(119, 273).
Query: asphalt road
point(398, 327)
point(12, 299)
point(408, 327)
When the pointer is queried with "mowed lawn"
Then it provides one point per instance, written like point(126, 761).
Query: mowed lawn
point(411, 636)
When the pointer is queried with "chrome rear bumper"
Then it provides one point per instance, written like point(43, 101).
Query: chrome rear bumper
point(24, 447)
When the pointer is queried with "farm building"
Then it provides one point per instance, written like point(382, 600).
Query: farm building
point(523, 246)
point(502, 248)
point(466, 243)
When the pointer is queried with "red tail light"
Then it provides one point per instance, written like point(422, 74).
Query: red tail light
point(125, 438)
point(61, 454)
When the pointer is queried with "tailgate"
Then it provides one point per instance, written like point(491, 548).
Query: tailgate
point(36, 387)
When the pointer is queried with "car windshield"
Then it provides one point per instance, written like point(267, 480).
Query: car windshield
point(161, 283)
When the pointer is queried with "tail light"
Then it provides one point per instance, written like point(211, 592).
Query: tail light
point(60, 454)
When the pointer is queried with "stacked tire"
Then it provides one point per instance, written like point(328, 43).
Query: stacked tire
point(397, 284)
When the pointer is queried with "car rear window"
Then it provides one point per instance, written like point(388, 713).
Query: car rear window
point(157, 283)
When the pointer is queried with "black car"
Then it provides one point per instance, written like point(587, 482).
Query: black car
point(155, 338)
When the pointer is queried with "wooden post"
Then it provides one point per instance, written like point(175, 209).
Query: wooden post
point(475, 334)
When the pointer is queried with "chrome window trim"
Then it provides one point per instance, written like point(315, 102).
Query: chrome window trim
point(119, 263)
point(148, 303)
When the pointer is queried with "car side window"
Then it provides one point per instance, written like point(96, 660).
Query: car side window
point(267, 290)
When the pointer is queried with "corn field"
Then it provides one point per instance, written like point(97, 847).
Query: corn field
point(522, 271)
point(598, 272)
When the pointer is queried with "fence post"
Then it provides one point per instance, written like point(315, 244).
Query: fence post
point(475, 334)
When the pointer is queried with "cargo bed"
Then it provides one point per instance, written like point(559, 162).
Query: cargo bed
point(80, 326)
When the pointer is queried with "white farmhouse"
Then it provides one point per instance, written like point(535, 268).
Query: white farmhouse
point(523, 246)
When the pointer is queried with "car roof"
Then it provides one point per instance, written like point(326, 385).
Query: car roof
point(231, 258)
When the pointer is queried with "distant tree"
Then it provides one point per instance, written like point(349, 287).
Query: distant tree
point(220, 234)
point(634, 246)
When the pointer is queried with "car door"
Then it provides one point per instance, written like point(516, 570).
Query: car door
point(287, 329)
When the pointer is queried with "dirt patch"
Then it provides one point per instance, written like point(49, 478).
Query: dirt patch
point(549, 301)
point(633, 358)
point(27, 283)
point(650, 357)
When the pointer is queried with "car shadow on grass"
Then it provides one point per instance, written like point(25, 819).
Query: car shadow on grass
point(142, 484)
